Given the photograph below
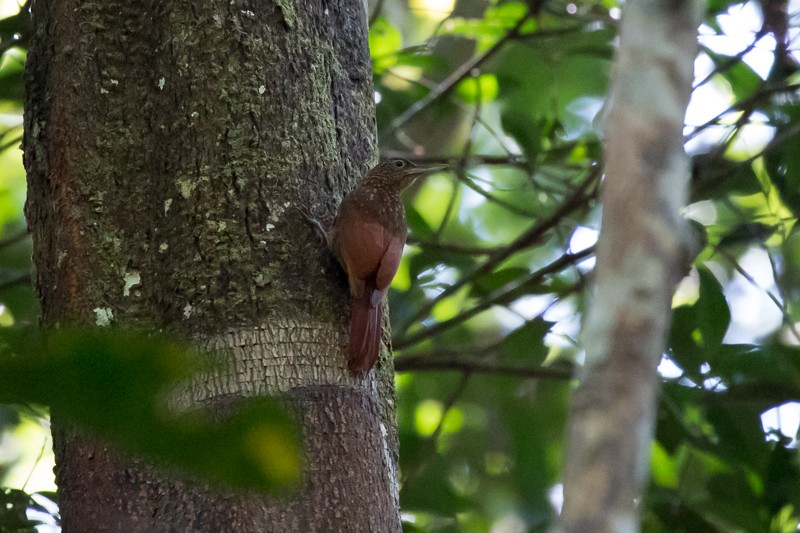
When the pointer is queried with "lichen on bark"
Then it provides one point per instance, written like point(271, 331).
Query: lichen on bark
point(169, 145)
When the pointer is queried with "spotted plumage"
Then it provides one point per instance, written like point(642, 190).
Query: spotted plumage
point(367, 238)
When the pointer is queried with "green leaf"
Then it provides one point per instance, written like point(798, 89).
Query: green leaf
point(438, 496)
point(664, 469)
point(712, 313)
point(526, 343)
point(713, 177)
point(744, 82)
point(485, 285)
point(697, 330)
point(495, 24)
point(525, 130)
point(553, 82)
point(535, 415)
point(747, 233)
point(384, 42)
point(738, 431)
point(526, 91)
point(741, 364)
point(683, 347)
point(418, 225)
point(117, 385)
point(482, 89)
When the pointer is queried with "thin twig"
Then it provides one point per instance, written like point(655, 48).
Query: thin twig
point(455, 77)
point(473, 160)
point(13, 239)
point(465, 179)
point(455, 248)
point(786, 318)
point(577, 199)
point(10, 144)
point(376, 13)
point(448, 405)
point(429, 363)
point(729, 63)
point(38, 460)
point(747, 103)
point(501, 295)
point(461, 168)
point(726, 172)
point(461, 105)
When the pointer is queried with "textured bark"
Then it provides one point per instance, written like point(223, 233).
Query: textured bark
point(641, 255)
point(168, 145)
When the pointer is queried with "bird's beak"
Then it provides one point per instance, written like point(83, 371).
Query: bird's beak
point(422, 171)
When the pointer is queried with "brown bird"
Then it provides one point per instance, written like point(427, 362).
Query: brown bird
point(367, 237)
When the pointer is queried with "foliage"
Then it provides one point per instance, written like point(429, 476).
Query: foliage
point(499, 256)
point(489, 296)
point(126, 387)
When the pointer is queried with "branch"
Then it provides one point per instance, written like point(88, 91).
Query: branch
point(375, 13)
point(577, 199)
point(470, 161)
point(788, 321)
point(729, 62)
point(641, 255)
point(464, 178)
point(454, 248)
point(455, 77)
point(432, 363)
point(747, 103)
point(722, 172)
point(422, 81)
point(504, 294)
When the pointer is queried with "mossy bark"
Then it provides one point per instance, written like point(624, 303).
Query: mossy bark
point(170, 146)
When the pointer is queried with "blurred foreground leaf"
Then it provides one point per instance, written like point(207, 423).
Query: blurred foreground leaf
point(118, 385)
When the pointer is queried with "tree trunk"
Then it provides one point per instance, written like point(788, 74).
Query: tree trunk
point(641, 255)
point(169, 145)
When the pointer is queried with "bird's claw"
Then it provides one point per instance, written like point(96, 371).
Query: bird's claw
point(319, 229)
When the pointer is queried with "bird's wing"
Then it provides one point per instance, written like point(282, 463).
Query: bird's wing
point(389, 262)
point(362, 251)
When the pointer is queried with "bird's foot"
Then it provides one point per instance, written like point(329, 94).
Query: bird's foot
point(319, 229)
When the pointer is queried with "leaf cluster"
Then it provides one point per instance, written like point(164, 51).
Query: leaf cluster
point(487, 307)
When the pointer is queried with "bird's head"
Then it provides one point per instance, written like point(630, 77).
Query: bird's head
point(399, 173)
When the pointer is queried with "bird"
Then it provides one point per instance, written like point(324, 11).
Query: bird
point(367, 238)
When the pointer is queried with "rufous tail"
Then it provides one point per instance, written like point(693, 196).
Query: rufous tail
point(365, 331)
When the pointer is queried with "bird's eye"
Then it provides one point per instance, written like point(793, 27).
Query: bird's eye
point(399, 163)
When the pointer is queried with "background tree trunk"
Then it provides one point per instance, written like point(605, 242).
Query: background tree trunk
point(168, 145)
point(641, 255)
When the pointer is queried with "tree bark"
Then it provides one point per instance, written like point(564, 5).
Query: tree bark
point(169, 145)
point(642, 253)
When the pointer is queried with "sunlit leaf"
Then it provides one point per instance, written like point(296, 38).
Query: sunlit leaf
point(526, 343)
point(482, 89)
point(384, 42)
point(665, 472)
